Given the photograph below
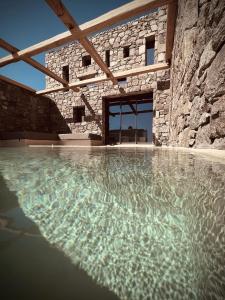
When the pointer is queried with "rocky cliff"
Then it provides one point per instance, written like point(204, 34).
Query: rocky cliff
point(197, 110)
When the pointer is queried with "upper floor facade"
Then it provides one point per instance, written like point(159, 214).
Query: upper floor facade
point(137, 43)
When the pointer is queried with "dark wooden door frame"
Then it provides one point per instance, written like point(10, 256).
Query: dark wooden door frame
point(107, 100)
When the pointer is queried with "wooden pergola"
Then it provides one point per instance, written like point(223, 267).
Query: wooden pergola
point(80, 33)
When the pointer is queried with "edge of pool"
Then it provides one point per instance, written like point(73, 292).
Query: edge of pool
point(207, 153)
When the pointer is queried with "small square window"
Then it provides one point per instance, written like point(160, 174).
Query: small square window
point(65, 73)
point(107, 58)
point(122, 81)
point(150, 50)
point(78, 113)
point(86, 60)
point(126, 51)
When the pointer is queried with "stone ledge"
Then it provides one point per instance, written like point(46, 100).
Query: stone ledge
point(26, 142)
point(17, 135)
point(80, 136)
point(87, 74)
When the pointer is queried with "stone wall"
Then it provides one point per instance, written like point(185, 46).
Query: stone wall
point(197, 116)
point(22, 110)
point(132, 34)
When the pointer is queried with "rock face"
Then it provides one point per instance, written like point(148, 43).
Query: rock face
point(22, 110)
point(132, 34)
point(197, 115)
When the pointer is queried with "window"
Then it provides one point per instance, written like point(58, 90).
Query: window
point(150, 50)
point(126, 51)
point(122, 81)
point(78, 113)
point(163, 85)
point(65, 73)
point(86, 60)
point(107, 58)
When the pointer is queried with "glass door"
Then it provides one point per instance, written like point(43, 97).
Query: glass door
point(130, 121)
point(114, 124)
point(144, 122)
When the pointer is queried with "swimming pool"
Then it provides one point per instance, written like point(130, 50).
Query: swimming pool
point(142, 223)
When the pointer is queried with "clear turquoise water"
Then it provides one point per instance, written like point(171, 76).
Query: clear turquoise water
point(143, 224)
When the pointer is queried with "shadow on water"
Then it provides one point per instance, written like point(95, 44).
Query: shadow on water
point(30, 268)
point(7, 198)
point(146, 224)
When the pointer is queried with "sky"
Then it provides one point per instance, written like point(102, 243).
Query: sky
point(26, 22)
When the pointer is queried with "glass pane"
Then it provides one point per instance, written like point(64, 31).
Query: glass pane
point(114, 108)
point(114, 124)
point(150, 56)
point(145, 106)
point(128, 124)
point(144, 123)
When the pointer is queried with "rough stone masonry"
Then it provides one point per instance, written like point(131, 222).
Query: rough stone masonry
point(189, 112)
point(197, 108)
point(132, 34)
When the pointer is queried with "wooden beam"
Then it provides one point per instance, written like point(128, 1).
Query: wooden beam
point(117, 99)
point(119, 14)
point(8, 47)
point(171, 22)
point(16, 83)
point(61, 11)
point(79, 83)
point(45, 45)
point(130, 112)
point(74, 88)
point(51, 90)
point(5, 45)
point(142, 70)
point(88, 46)
point(90, 81)
point(132, 108)
point(120, 74)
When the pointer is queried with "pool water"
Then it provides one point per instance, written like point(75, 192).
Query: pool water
point(131, 224)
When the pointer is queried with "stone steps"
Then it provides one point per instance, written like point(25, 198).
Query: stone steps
point(24, 138)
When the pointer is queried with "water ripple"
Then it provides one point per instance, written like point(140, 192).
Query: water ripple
point(145, 224)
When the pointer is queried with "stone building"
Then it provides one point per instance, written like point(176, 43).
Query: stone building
point(105, 108)
point(180, 105)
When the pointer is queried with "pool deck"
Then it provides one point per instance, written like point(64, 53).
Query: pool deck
point(212, 154)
